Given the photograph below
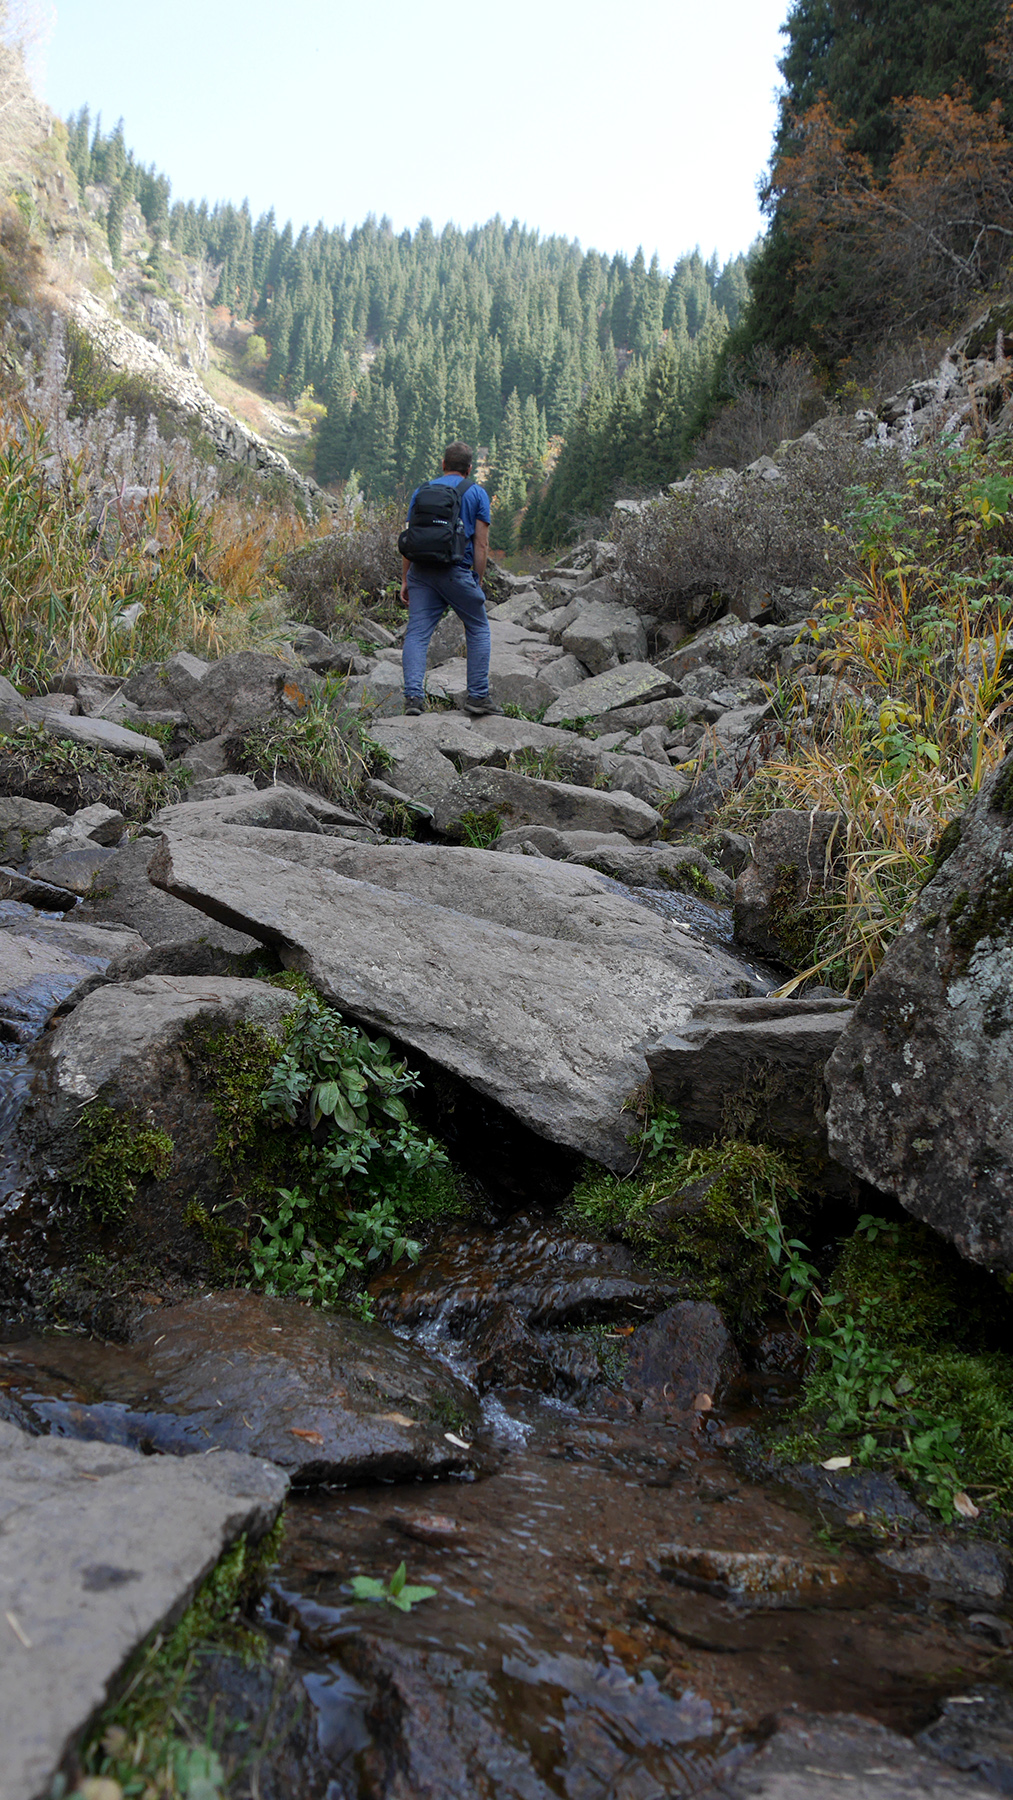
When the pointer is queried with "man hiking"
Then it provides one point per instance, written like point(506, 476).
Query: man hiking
point(444, 550)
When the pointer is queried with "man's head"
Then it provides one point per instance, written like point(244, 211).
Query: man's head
point(457, 459)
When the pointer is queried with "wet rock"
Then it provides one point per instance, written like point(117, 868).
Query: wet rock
point(602, 1730)
point(967, 1573)
point(814, 1756)
point(685, 1353)
point(326, 1397)
point(794, 854)
point(546, 1275)
point(519, 799)
point(44, 962)
point(865, 1495)
point(548, 1031)
point(633, 684)
point(124, 896)
point(762, 1577)
point(974, 1734)
point(99, 1549)
point(42, 894)
point(921, 1079)
point(507, 1354)
point(752, 1068)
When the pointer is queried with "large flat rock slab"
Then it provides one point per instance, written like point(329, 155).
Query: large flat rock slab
point(921, 1079)
point(517, 799)
point(632, 684)
point(526, 893)
point(327, 1397)
point(44, 961)
point(99, 1548)
point(552, 1031)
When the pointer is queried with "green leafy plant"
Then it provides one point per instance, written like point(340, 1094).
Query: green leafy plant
point(396, 1592)
point(479, 830)
point(115, 1151)
point(321, 747)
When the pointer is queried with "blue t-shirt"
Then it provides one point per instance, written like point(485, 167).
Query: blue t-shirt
point(474, 506)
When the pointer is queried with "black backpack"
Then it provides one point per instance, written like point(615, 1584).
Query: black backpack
point(435, 533)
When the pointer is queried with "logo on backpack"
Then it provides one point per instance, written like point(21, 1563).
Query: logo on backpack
point(435, 532)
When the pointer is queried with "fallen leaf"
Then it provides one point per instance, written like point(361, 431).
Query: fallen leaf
point(452, 1438)
point(702, 1403)
point(836, 1462)
point(857, 1518)
point(964, 1505)
point(311, 1437)
point(395, 1419)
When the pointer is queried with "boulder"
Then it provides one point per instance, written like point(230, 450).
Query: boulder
point(44, 962)
point(273, 808)
point(545, 840)
point(817, 1756)
point(514, 673)
point(123, 895)
point(633, 684)
point(326, 1397)
point(676, 867)
point(100, 734)
point(243, 688)
point(562, 673)
point(778, 894)
point(603, 635)
point(77, 868)
point(724, 646)
point(453, 734)
point(22, 823)
point(752, 1068)
point(160, 687)
point(549, 1030)
point(920, 1082)
point(519, 799)
point(685, 1353)
point(649, 781)
point(101, 1548)
point(35, 893)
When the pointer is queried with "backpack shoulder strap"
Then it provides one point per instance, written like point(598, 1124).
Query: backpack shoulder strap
point(468, 482)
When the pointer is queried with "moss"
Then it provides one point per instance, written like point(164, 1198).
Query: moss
point(693, 1213)
point(234, 1066)
point(1002, 794)
point(915, 1290)
point(445, 1411)
point(222, 1240)
point(945, 845)
point(144, 1739)
point(797, 918)
point(689, 878)
point(988, 915)
point(116, 1150)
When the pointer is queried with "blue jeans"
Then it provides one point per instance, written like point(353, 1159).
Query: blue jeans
point(430, 592)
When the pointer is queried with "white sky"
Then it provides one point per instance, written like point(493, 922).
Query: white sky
point(645, 123)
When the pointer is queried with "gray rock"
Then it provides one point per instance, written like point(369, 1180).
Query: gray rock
point(921, 1079)
point(673, 866)
point(562, 673)
point(967, 1573)
point(246, 687)
point(273, 808)
point(514, 675)
point(423, 772)
point(166, 685)
point(208, 759)
point(103, 824)
point(545, 840)
point(791, 871)
point(453, 734)
point(21, 821)
point(99, 1549)
point(216, 787)
point(124, 1045)
point(35, 893)
point(603, 635)
point(685, 1352)
point(649, 781)
point(520, 799)
point(974, 1733)
point(633, 684)
point(100, 734)
point(123, 895)
point(752, 1068)
point(815, 1756)
point(547, 1029)
point(723, 647)
point(77, 868)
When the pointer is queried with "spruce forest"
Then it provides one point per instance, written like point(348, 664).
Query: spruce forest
point(522, 346)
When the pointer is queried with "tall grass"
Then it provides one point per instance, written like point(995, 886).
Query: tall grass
point(917, 654)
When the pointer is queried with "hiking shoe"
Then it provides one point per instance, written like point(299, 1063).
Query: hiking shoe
point(412, 708)
point(478, 706)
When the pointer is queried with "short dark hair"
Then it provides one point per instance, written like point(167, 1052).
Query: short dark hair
point(458, 458)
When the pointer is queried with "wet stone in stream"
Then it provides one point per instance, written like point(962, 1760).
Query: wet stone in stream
point(559, 1659)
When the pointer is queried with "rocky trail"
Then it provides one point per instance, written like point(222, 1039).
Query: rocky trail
point(629, 1600)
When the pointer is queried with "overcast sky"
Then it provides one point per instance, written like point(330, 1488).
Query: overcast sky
point(645, 123)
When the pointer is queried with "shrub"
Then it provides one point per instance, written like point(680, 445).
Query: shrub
point(356, 565)
point(729, 536)
point(321, 749)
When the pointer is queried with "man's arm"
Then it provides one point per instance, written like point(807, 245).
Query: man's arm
point(405, 566)
point(480, 554)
